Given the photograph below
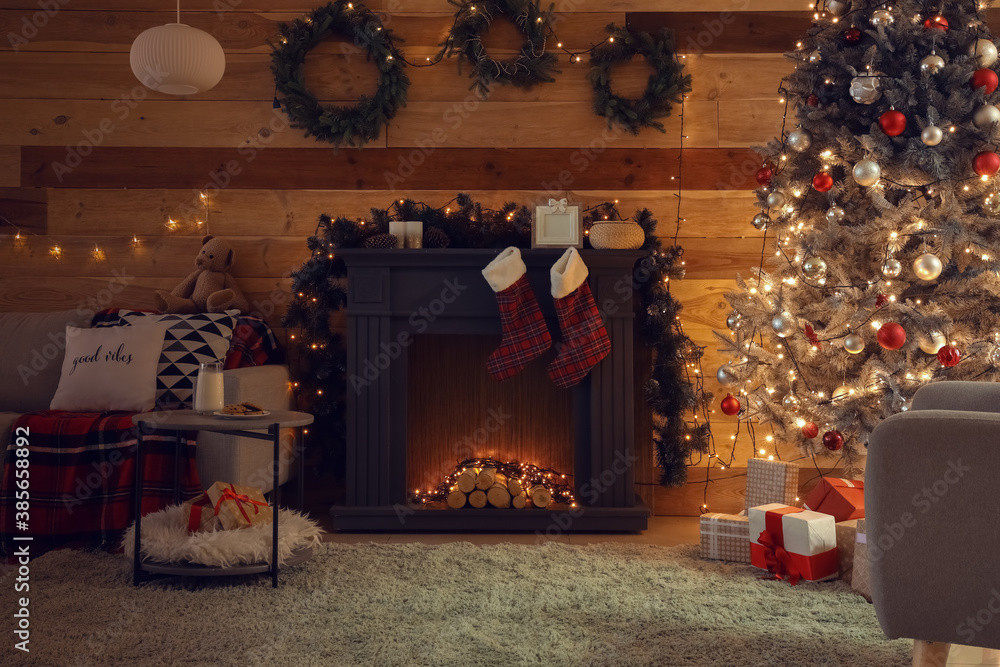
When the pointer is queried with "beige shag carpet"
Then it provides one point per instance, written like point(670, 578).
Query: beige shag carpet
point(454, 604)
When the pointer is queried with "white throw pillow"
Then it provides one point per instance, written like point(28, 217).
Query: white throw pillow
point(109, 369)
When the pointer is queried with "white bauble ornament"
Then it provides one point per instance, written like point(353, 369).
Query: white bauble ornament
point(892, 268)
point(776, 200)
point(932, 135)
point(835, 214)
point(726, 375)
point(814, 268)
point(986, 116)
point(932, 64)
point(867, 172)
point(815, 56)
point(992, 203)
point(799, 140)
point(733, 320)
point(791, 402)
point(784, 324)
point(760, 221)
point(841, 392)
point(866, 89)
point(882, 17)
point(985, 52)
point(932, 342)
point(928, 266)
point(837, 7)
point(854, 344)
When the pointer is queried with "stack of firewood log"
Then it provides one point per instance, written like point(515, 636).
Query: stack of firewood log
point(481, 487)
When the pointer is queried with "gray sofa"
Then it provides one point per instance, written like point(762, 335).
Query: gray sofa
point(933, 519)
point(31, 359)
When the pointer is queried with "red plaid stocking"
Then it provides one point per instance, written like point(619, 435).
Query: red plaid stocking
point(525, 335)
point(584, 340)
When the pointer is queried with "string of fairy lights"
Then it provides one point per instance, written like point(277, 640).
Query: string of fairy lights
point(557, 483)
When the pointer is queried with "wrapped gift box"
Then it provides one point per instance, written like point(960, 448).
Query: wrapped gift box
point(861, 581)
point(725, 537)
point(238, 506)
point(200, 515)
point(771, 482)
point(844, 499)
point(794, 542)
point(846, 537)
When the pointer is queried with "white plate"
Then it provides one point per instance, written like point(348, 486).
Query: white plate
point(225, 415)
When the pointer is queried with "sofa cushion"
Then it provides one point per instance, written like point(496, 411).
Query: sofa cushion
point(33, 347)
point(109, 369)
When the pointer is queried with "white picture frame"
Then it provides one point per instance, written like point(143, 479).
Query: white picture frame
point(557, 225)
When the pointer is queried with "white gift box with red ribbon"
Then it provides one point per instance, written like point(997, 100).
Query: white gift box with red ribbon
point(793, 542)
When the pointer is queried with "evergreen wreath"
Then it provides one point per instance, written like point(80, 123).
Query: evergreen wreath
point(355, 125)
point(666, 85)
point(318, 291)
point(531, 66)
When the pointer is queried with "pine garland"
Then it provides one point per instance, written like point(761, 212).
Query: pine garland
point(665, 88)
point(318, 292)
point(339, 125)
point(531, 66)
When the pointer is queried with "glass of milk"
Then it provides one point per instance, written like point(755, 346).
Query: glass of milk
point(209, 395)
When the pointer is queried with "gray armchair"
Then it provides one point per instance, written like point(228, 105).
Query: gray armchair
point(932, 505)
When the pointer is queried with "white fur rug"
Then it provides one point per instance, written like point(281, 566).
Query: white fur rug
point(165, 538)
point(450, 605)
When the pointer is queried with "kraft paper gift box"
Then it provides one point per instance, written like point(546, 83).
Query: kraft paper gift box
point(846, 537)
point(238, 506)
point(200, 515)
point(725, 537)
point(861, 582)
point(844, 499)
point(793, 542)
point(771, 482)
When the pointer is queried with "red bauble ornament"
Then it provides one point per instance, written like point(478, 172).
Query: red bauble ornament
point(892, 123)
point(812, 101)
point(833, 440)
point(949, 356)
point(936, 23)
point(985, 77)
point(730, 405)
point(764, 175)
point(810, 430)
point(852, 36)
point(822, 182)
point(891, 336)
point(986, 163)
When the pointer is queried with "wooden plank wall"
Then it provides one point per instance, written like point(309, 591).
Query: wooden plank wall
point(90, 159)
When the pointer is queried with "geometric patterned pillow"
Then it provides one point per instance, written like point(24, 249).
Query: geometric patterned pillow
point(190, 340)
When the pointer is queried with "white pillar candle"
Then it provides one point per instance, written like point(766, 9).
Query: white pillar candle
point(398, 229)
point(414, 234)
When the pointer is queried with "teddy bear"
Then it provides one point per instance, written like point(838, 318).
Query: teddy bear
point(209, 289)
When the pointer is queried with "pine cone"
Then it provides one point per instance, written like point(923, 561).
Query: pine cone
point(381, 241)
point(436, 238)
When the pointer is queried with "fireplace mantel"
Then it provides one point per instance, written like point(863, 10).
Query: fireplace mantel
point(394, 295)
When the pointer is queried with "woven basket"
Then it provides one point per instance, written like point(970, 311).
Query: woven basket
point(616, 236)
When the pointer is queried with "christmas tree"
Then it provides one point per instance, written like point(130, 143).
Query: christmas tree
point(881, 220)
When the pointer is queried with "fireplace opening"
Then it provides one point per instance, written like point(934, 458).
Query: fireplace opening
point(456, 411)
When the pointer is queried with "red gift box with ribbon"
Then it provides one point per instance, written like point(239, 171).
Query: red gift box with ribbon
point(794, 543)
point(238, 506)
point(844, 499)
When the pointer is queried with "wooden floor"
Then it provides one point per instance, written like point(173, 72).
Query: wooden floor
point(666, 531)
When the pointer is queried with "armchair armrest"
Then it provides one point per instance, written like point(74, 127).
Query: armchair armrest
point(958, 395)
point(933, 524)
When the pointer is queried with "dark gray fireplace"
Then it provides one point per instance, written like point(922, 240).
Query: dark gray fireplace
point(406, 303)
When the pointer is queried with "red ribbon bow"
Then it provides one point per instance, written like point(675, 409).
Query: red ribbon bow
point(240, 498)
point(779, 563)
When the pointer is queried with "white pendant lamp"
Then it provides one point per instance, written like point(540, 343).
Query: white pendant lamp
point(177, 59)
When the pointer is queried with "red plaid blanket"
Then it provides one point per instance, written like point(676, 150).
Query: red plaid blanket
point(81, 473)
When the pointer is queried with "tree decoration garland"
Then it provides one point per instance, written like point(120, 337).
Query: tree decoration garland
point(339, 125)
point(670, 391)
point(532, 65)
point(666, 85)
